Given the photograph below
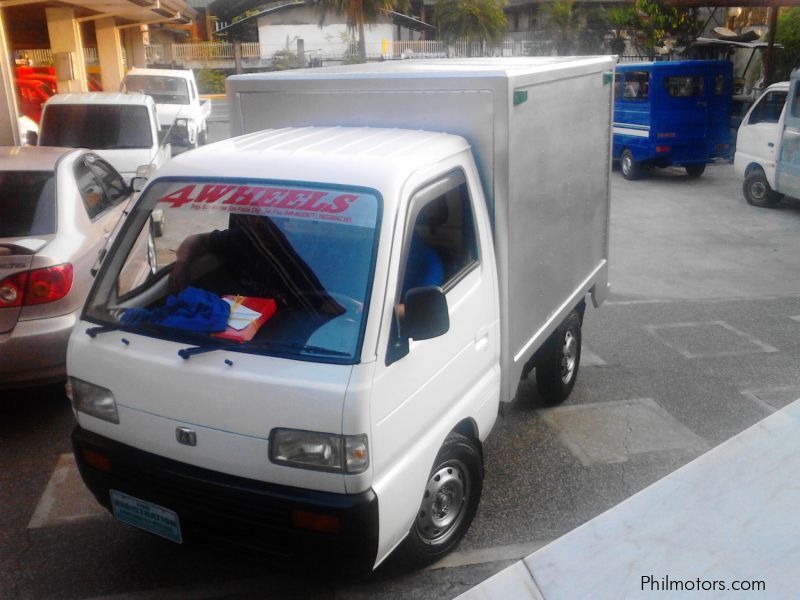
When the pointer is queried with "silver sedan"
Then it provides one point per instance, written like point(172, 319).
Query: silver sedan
point(59, 208)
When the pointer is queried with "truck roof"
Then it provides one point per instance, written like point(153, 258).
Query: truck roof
point(442, 68)
point(183, 73)
point(102, 98)
point(31, 158)
point(362, 156)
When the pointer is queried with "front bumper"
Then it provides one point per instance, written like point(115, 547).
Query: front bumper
point(35, 351)
point(213, 506)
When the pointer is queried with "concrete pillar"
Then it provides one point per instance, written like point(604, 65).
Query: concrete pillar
point(109, 50)
point(134, 48)
point(9, 133)
point(65, 36)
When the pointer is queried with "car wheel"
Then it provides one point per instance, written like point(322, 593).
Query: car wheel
point(695, 170)
point(557, 369)
point(631, 170)
point(757, 191)
point(448, 504)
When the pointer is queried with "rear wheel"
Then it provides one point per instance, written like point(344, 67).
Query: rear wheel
point(448, 504)
point(557, 369)
point(757, 190)
point(631, 170)
point(695, 170)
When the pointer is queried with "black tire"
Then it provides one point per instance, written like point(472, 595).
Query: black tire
point(757, 191)
point(457, 474)
point(695, 170)
point(557, 368)
point(203, 137)
point(631, 170)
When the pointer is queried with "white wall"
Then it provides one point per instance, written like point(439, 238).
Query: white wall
point(330, 40)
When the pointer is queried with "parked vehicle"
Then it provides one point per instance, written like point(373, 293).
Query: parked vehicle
point(58, 208)
point(672, 113)
point(32, 94)
point(122, 128)
point(766, 149)
point(181, 111)
point(388, 291)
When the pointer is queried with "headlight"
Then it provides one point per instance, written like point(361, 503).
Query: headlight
point(93, 400)
point(319, 451)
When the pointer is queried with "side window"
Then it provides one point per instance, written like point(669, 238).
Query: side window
point(768, 109)
point(443, 244)
point(719, 85)
point(637, 85)
point(684, 86)
point(110, 179)
point(92, 192)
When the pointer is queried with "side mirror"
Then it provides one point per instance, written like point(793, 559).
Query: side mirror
point(138, 183)
point(31, 138)
point(426, 315)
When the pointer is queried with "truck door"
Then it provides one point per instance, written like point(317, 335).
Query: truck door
point(683, 112)
point(758, 134)
point(421, 389)
point(788, 175)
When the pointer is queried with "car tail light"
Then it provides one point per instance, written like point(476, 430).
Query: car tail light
point(48, 284)
point(662, 148)
point(12, 288)
point(36, 287)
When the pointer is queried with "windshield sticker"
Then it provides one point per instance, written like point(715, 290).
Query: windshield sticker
point(268, 201)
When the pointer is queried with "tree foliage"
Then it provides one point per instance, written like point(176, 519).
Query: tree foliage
point(575, 30)
point(470, 20)
point(655, 24)
point(358, 14)
point(787, 34)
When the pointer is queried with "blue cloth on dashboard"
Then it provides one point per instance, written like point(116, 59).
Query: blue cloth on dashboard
point(192, 309)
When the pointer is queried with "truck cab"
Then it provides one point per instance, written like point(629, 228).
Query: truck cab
point(182, 113)
point(672, 113)
point(121, 128)
point(766, 156)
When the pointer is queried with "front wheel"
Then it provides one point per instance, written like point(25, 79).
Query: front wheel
point(758, 192)
point(631, 170)
point(557, 369)
point(448, 504)
point(695, 170)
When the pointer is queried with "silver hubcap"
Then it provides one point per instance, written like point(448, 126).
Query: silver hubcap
point(758, 190)
point(568, 357)
point(627, 163)
point(443, 503)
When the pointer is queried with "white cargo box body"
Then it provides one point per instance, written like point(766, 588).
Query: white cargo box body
point(540, 133)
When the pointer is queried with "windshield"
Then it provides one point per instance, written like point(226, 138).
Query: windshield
point(254, 266)
point(163, 89)
point(27, 203)
point(96, 126)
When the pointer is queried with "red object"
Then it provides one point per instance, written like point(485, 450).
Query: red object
point(316, 522)
point(39, 286)
point(32, 94)
point(662, 148)
point(265, 306)
point(48, 285)
point(98, 461)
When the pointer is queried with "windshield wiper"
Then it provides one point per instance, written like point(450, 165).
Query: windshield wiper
point(187, 353)
point(93, 331)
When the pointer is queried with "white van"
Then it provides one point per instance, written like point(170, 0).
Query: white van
point(385, 295)
point(768, 146)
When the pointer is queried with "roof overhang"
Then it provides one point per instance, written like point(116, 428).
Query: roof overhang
point(129, 11)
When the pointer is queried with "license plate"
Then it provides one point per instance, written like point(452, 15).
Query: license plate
point(146, 515)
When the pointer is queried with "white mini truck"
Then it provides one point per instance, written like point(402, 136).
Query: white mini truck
point(395, 290)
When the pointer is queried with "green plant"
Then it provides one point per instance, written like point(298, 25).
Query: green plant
point(470, 20)
point(211, 81)
point(656, 25)
point(788, 35)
